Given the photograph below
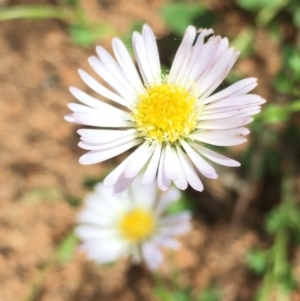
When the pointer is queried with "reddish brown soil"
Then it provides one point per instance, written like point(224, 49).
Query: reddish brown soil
point(41, 178)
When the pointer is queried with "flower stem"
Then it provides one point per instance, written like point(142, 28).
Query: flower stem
point(37, 12)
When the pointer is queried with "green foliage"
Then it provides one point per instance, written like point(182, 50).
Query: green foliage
point(185, 294)
point(284, 222)
point(266, 10)
point(83, 30)
point(42, 194)
point(165, 294)
point(91, 181)
point(179, 16)
point(127, 38)
point(73, 201)
point(257, 261)
point(285, 216)
point(66, 249)
point(210, 294)
point(244, 41)
point(73, 2)
point(84, 35)
point(181, 205)
point(287, 81)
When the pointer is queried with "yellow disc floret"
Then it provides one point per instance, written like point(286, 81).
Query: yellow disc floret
point(165, 113)
point(137, 225)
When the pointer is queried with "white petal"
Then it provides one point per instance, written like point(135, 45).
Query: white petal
point(103, 146)
point(100, 156)
point(114, 69)
point(205, 168)
point(250, 112)
point(167, 242)
point(239, 88)
point(152, 255)
point(197, 56)
point(141, 57)
point(215, 157)
point(230, 113)
point(181, 181)
point(122, 184)
point(78, 108)
point(170, 196)
point(101, 120)
point(222, 138)
point(92, 218)
point(162, 181)
point(206, 60)
point(168, 163)
point(182, 52)
point(239, 100)
point(70, 118)
point(118, 173)
point(112, 178)
point(90, 232)
point(152, 167)
point(224, 124)
point(126, 63)
point(142, 155)
point(97, 87)
point(176, 224)
point(152, 52)
point(143, 197)
point(93, 102)
point(104, 73)
point(218, 48)
point(217, 73)
point(106, 252)
point(189, 171)
point(104, 136)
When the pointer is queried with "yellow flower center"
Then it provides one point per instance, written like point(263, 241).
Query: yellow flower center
point(136, 225)
point(166, 113)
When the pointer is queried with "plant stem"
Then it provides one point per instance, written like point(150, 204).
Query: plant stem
point(37, 12)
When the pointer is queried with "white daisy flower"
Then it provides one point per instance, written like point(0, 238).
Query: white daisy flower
point(133, 224)
point(168, 119)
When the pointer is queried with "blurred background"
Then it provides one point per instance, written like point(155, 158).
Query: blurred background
point(245, 241)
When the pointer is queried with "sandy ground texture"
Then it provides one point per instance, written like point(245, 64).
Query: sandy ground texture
point(42, 181)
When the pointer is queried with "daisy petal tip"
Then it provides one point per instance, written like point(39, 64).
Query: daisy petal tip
point(81, 72)
point(71, 89)
point(70, 118)
point(83, 160)
point(147, 27)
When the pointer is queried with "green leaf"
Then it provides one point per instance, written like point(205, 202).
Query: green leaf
point(274, 113)
point(66, 250)
point(270, 10)
point(91, 181)
point(251, 5)
point(276, 219)
point(86, 35)
point(179, 16)
point(244, 41)
point(42, 194)
point(257, 261)
point(296, 17)
point(210, 294)
point(127, 38)
point(294, 106)
point(181, 205)
point(73, 2)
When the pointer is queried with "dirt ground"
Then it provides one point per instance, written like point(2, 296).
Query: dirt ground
point(42, 181)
